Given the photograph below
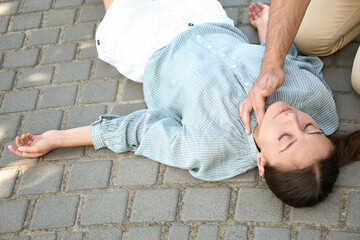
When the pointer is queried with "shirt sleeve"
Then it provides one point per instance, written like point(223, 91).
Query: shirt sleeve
point(154, 133)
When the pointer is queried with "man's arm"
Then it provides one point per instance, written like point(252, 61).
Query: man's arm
point(284, 21)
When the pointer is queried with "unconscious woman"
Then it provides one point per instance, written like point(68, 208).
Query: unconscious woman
point(196, 68)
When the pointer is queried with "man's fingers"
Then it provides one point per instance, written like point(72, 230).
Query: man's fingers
point(245, 110)
point(259, 107)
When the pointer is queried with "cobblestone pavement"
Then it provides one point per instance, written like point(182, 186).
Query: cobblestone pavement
point(50, 78)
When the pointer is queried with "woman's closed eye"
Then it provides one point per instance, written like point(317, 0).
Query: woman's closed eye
point(309, 129)
point(284, 135)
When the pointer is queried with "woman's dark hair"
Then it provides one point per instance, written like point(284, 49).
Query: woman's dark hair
point(306, 187)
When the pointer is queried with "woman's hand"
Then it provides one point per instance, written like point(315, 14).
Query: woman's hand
point(30, 146)
point(268, 81)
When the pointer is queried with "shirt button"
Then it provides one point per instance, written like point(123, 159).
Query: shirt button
point(246, 84)
point(222, 55)
point(98, 42)
point(190, 24)
point(233, 66)
point(198, 36)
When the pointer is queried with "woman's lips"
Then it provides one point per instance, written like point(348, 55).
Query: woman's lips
point(281, 110)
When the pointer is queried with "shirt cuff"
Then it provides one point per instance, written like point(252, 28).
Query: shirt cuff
point(96, 135)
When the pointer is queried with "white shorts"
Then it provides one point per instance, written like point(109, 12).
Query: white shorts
point(132, 30)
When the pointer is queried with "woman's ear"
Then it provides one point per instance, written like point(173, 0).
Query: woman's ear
point(261, 164)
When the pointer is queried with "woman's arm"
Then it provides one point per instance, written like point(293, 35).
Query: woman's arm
point(33, 146)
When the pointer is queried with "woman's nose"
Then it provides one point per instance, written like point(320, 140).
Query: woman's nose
point(293, 121)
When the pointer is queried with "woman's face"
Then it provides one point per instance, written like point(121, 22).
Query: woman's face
point(290, 139)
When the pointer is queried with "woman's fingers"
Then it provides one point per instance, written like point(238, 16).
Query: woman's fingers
point(26, 152)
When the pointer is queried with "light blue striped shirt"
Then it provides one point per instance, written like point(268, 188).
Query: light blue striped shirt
point(193, 88)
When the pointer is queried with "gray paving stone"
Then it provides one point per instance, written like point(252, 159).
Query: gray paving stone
point(106, 234)
point(54, 212)
point(100, 152)
point(4, 23)
point(176, 175)
point(22, 58)
point(233, 14)
point(349, 127)
point(326, 212)
point(36, 5)
point(249, 176)
point(211, 204)
point(342, 104)
point(15, 212)
point(41, 179)
point(10, 159)
point(11, 41)
point(339, 79)
point(349, 176)
point(92, 174)
point(208, 232)
point(19, 101)
point(74, 71)
point(132, 91)
point(59, 96)
point(251, 34)
point(43, 36)
point(92, 13)
point(60, 17)
point(236, 232)
point(258, 204)
point(96, 92)
point(352, 215)
point(7, 182)
point(94, 1)
point(336, 235)
point(7, 80)
point(244, 16)
point(136, 171)
point(47, 236)
point(347, 54)
point(1, 58)
point(40, 122)
point(179, 232)
point(25, 237)
point(234, 3)
point(73, 236)
point(11, 8)
point(65, 153)
point(83, 116)
point(309, 234)
point(79, 32)
point(262, 1)
point(59, 53)
point(328, 60)
point(153, 233)
point(103, 208)
point(87, 49)
point(105, 70)
point(26, 21)
point(272, 233)
point(155, 205)
point(38, 76)
point(68, 3)
point(126, 109)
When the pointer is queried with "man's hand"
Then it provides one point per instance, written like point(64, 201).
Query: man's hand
point(30, 146)
point(269, 80)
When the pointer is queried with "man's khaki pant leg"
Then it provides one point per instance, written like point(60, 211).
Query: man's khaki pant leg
point(329, 25)
point(355, 74)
